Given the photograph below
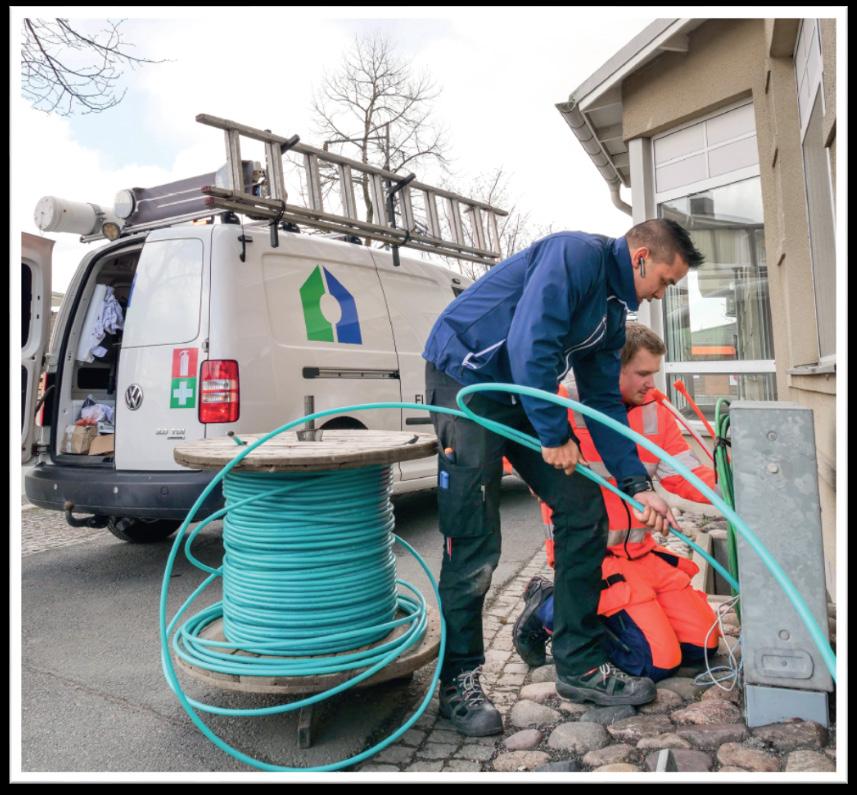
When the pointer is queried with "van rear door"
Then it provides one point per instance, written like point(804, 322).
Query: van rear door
point(35, 329)
point(166, 327)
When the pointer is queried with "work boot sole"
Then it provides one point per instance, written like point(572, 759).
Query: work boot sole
point(481, 726)
point(580, 695)
point(533, 659)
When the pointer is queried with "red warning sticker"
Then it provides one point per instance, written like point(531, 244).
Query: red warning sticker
point(184, 362)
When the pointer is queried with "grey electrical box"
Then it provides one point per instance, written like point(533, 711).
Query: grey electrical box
point(775, 479)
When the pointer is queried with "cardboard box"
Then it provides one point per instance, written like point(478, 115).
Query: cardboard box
point(102, 445)
point(78, 438)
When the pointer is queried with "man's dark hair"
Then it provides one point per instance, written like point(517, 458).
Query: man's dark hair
point(665, 238)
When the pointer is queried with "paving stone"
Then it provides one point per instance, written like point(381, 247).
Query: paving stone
point(608, 715)
point(619, 768)
point(710, 738)
point(413, 737)
point(520, 760)
point(609, 755)
point(378, 769)
point(685, 761)
point(475, 753)
point(634, 729)
point(462, 766)
point(707, 713)
point(730, 769)
point(525, 740)
point(539, 692)
point(425, 767)
point(808, 761)
point(682, 685)
point(573, 709)
point(544, 673)
point(662, 741)
point(665, 701)
point(395, 755)
point(791, 736)
point(437, 750)
point(734, 695)
point(579, 738)
point(739, 756)
point(528, 713)
point(516, 668)
point(566, 766)
point(831, 752)
point(445, 736)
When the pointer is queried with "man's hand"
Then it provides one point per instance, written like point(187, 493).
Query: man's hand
point(656, 515)
point(565, 458)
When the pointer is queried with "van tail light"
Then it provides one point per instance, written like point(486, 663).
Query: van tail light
point(218, 391)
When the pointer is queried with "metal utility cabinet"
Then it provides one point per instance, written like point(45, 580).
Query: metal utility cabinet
point(776, 493)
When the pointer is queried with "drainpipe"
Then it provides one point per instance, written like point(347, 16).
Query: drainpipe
point(617, 199)
point(592, 146)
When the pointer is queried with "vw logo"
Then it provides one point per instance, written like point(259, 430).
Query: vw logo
point(134, 397)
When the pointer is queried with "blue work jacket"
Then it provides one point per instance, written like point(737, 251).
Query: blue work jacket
point(559, 304)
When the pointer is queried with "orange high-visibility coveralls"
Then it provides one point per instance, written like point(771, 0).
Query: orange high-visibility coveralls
point(656, 621)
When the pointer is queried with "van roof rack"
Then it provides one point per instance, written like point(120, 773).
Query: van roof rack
point(242, 186)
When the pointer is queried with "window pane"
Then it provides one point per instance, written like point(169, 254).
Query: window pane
point(684, 172)
point(821, 232)
point(721, 311)
point(707, 388)
point(730, 125)
point(683, 142)
point(166, 295)
point(731, 157)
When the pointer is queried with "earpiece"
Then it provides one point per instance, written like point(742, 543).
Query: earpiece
point(642, 263)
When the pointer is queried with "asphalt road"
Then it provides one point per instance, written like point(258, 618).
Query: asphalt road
point(94, 697)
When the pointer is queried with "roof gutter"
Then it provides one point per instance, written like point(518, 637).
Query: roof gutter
point(592, 146)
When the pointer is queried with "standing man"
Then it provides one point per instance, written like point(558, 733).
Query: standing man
point(558, 305)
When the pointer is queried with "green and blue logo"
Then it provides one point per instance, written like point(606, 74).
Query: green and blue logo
point(317, 326)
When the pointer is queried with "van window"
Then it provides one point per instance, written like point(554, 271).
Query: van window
point(167, 294)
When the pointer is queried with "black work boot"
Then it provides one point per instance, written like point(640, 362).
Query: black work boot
point(606, 685)
point(464, 703)
point(529, 634)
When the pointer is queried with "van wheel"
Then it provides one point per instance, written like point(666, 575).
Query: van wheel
point(142, 531)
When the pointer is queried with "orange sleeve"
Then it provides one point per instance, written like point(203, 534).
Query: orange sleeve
point(676, 445)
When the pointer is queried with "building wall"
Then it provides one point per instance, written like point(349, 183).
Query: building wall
point(728, 60)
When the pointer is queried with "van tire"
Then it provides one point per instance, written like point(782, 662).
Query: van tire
point(142, 531)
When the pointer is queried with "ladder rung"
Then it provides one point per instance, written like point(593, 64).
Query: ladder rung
point(455, 221)
point(346, 187)
point(476, 224)
point(407, 209)
point(313, 182)
point(379, 198)
point(431, 213)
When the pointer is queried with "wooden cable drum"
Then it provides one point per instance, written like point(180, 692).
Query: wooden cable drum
point(318, 551)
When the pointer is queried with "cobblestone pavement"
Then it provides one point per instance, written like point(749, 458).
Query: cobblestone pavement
point(704, 727)
point(42, 530)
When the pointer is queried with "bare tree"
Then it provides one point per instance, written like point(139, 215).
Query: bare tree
point(62, 68)
point(373, 103)
point(515, 229)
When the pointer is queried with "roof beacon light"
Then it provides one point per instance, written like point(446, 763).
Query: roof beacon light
point(61, 215)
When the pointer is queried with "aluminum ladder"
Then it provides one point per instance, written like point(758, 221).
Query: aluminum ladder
point(427, 231)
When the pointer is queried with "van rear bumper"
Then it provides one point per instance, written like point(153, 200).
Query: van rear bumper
point(144, 495)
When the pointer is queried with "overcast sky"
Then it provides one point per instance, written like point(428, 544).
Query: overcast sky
point(500, 72)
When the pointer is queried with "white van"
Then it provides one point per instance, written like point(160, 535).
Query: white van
point(210, 344)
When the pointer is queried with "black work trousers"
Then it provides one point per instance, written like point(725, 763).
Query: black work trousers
point(469, 517)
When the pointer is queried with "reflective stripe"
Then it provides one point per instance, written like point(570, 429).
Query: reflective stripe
point(578, 417)
point(636, 536)
point(687, 458)
point(651, 467)
point(466, 361)
point(650, 418)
